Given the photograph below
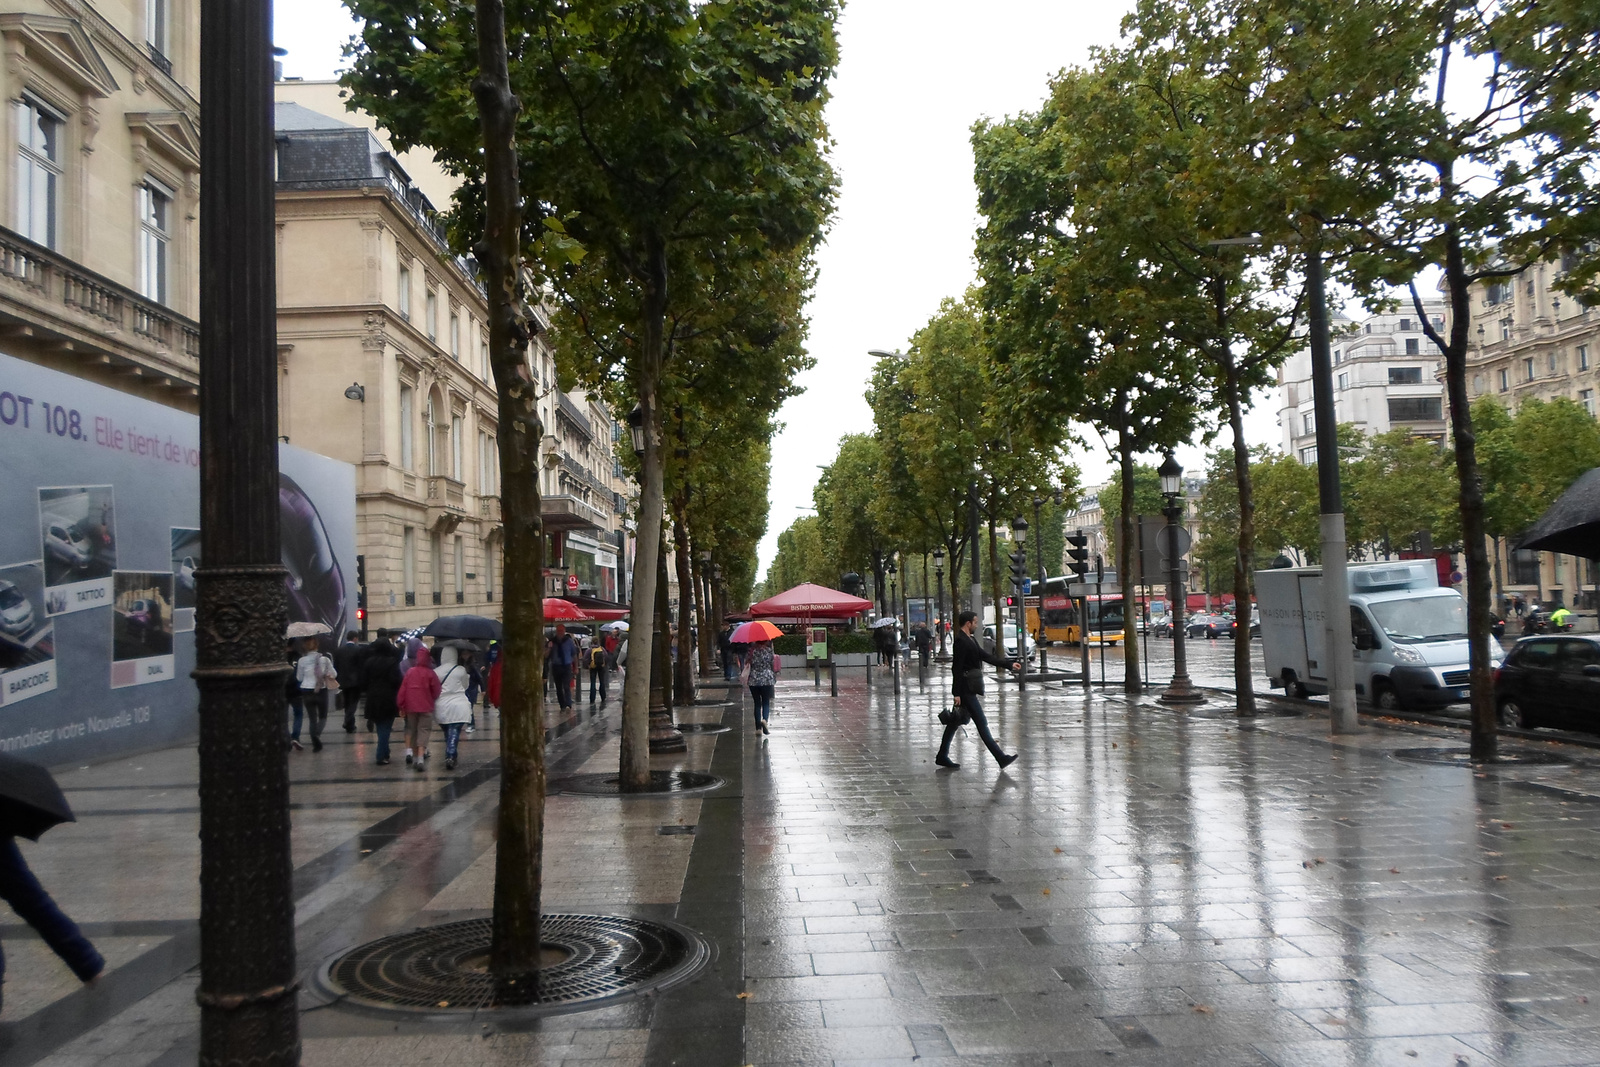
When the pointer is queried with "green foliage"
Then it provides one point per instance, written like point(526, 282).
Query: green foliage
point(1529, 459)
point(1402, 485)
point(802, 556)
point(848, 506)
point(1147, 500)
point(1287, 510)
point(839, 643)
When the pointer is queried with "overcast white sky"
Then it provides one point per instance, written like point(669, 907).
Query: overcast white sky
point(914, 75)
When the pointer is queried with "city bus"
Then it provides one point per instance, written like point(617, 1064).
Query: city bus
point(1060, 616)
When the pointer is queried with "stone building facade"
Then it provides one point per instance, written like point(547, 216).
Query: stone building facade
point(99, 198)
point(1528, 340)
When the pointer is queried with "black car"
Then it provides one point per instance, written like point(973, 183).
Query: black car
point(1551, 681)
point(1212, 626)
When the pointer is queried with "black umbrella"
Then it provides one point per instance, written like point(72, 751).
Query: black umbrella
point(465, 627)
point(1572, 525)
point(30, 800)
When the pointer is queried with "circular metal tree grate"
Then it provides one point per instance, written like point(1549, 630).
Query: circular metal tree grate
point(1462, 757)
point(590, 959)
point(610, 785)
point(703, 728)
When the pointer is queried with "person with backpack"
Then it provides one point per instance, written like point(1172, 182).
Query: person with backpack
point(562, 660)
point(451, 708)
point(596, 662)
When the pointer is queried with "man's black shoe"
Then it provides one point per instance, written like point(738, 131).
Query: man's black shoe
point(946, 761)
point(1006, 761)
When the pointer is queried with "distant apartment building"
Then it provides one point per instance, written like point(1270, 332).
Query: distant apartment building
point(99, 201)
point(1385, 377)
point(1530, 340)
point(384, 363)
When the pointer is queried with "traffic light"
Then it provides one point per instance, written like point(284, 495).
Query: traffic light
point(1019, 567)
point(1078, 554)
point(1011, 601)
point(361, 595)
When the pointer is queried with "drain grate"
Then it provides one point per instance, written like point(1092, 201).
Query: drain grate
point(703, 728)
point(1462, 757)
point(591, 959)
point(610, 785)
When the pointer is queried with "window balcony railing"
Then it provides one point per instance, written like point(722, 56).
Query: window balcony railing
point(108, 315)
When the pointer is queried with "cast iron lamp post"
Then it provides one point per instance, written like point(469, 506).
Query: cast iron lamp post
point(1181, 690)
point(894, 625)
point(938, 592)
point(1019, 534)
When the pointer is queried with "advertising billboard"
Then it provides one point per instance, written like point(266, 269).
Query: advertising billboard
point(99, 544)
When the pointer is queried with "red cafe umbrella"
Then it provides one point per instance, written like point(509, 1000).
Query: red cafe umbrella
point(751, 632)
point(811, 601)
point(558, 610)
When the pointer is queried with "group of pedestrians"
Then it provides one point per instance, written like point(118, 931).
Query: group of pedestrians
point(385, 681)
point(567, 657)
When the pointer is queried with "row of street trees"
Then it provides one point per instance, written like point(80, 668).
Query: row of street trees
point(656, 169)
point(1386, 137)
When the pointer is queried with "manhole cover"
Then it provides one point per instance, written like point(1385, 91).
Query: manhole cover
point(591, 959)
point(610, 785)
point(1462, 757)
point(703, 728)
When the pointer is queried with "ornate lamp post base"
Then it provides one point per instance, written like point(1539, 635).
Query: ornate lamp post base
point(664, 734)
point(1181, 691)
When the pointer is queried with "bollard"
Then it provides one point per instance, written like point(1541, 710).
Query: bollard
point(816, 674)
point(833, 678)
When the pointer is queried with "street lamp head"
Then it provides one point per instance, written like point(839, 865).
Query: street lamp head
point(1171, 475)
point(355, 392)
point(938, 558)
point(890, 569)
point(705, 555)
point(636, 428)
point(1055, 496)
point(882, 353)
point(1019, 529)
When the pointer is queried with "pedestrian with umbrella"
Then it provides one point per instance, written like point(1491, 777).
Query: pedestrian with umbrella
point(761, 667)
point(31, 803)
point(451, 708)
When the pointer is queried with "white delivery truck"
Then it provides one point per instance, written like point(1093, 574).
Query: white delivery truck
point(1410, 634)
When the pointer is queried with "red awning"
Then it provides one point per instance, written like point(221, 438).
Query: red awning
point(808, 600)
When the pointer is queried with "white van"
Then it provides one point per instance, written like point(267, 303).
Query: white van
point(1410, 634)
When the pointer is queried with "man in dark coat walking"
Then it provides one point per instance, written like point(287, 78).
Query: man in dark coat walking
point(349, 664)
point(967, 660)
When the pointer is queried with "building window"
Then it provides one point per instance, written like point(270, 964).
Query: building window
point(408, 415)
point(1554, 362)
point(1527, 368)
point(488, 570)
point(1413, 346)
point(38, 172)
point(1586, 399)
point(1344, 381)
point(155, 234)
point(403, 293)
point(1405, 375)
point(1477, 384)
point(1338, 356)
point(436, 565)
point(1308, 456)
point(455, 447)
point(1405, 325)
point(455, 336)
point(483, 357)
point(1308, 422)
point(430, 426)
point(1524, 567)
point(1583, 357)
point(432, 308)
point(156, 16)
point(461, 570)
point(408, 563)
point(1415, 409)
point(1505, 329)
point(1505, 379)
point(1497, 293)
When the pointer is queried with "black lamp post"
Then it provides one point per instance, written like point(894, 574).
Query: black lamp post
point(1019, 534)
point(1181, 690)
point(894, 625)
point(938, 592)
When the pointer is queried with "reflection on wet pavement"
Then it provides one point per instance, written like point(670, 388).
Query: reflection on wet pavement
point(1143, 886)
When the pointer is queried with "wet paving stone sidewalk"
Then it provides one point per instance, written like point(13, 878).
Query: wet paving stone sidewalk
point(1142, 887)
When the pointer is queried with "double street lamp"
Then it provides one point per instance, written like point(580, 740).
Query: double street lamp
point(938, 592)
point(1181, 691)
point(894, 625)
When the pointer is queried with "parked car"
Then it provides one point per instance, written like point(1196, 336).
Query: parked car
point(1551, 681)
point(1213, 626)
point(1161, 625)
point(1011, 642)
point(16, 610)
point(68, 544)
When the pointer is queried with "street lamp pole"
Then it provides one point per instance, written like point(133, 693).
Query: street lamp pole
point(1181, 690)
point(972, 543)
point(938, 592)
point(1019, 534)
point(1335, 555)
point(894, 627)
point(248, 971)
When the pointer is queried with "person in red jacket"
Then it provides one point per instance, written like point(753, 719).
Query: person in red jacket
point(418, 693)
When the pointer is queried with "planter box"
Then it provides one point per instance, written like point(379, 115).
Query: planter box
point(792, 663)
point(854, 659)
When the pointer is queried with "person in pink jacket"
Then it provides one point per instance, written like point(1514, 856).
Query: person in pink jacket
point(418, 693)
